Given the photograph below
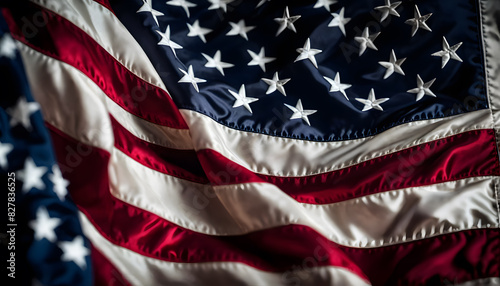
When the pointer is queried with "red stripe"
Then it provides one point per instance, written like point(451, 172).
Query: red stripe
point(467, 255)
point(179, 163)
point(105, 273)
point(62, 40)
point(457, 257)
point(460, 156)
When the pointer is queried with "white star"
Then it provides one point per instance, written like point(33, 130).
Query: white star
point(393, 65)
point(239, 29)
point(418, 22)
point(216, 62)
point(216, 4)
point(182, 3)
point(22, 112)
point(196, 30)
point(324, 3)
point(32, 175)
point(59, 182)
point(165, 41)
point(259, 59)
point(387, 9)
point(276, 84)
point(242, 99)
point(262, 3)
point(448, 52)
point(307, 53)
point(300, 113)
point(7, 46)
point(339, 20)
point(190, 78)
point(422, 88)
point(5, 149)
point(286, 22)
point(148, 7)
point(372, 102)
point(336, 85)
point(44, 225)
point(366, 40)
point(74, 251)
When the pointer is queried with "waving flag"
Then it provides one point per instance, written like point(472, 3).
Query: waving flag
point(274, 142)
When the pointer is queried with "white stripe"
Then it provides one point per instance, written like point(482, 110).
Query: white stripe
point(76, 105)
point(67, 100)
point(141, 270)
point(370, 221)
point(103, 26)
point(480, 282)
point(291, 157)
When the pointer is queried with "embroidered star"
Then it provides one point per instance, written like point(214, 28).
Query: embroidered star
point(422, 88)
point(32, 175)
point(182, 3)
point(307, 53)
point(21, 113)
point(262, 3)
point(366, 40)
point(5, 149)
point(190, 78)
point(242, 99)
point(300, 113)
point(339, 20)
point(216, 4)
point(148, 7)
point(7, 47)
point(196, 31)
point(286, 22)
point(276, 84)
point(60, 184)
point(387, 9)
point(336, 85)
point(393, 65)
point(418, 22)
point(372, 102)
point(324, 3)
point(74, 251)
point(239, 29)
point(44, 226)
point(216, 62)
point(448, 53)
point(165, 41)
point(259, 59)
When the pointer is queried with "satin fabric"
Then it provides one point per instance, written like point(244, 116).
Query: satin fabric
point(280, 247)
point(460, 254)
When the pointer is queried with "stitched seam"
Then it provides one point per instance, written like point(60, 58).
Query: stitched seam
point(482, 18)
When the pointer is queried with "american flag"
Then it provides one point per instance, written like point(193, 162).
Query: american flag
point(229, 142)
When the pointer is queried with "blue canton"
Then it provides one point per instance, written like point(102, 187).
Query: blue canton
point(317, 70)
